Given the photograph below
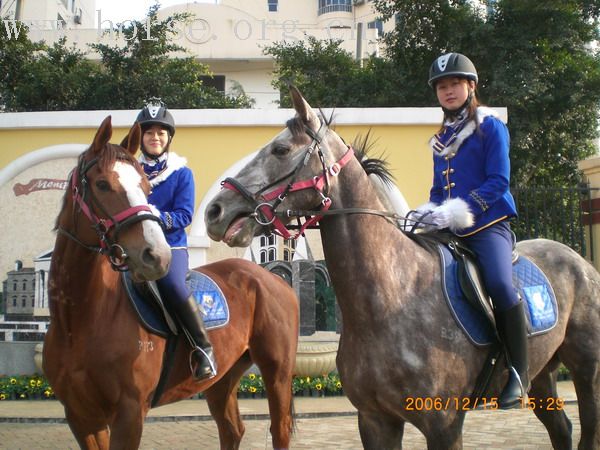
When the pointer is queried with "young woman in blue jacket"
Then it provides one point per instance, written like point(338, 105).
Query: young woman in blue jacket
point(471, 197)
point(172, 200)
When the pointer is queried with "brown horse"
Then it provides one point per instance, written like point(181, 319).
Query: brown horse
point(102, 364)
point(399, 340)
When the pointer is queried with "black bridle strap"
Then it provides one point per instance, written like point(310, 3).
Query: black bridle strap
point(92, 248)
point(240, 188)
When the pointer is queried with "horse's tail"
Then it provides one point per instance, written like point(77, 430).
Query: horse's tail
point(293, 416)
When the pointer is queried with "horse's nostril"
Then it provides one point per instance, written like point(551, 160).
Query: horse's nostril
point(148, 256)
point(214, 212)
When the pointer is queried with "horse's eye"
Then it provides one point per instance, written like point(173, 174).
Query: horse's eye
point(280, 150)
point(103, 185)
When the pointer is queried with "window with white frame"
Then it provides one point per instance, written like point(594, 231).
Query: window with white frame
point(327, 6)
point(268, 248)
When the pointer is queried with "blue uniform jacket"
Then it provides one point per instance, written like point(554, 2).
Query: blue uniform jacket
point(173, 195)
point(477, 170)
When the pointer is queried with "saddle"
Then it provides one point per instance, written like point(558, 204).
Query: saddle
point(472, 307)
point(154, 314)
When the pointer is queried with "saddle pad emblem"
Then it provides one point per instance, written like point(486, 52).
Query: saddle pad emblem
point(532, 285)
point(210, 299)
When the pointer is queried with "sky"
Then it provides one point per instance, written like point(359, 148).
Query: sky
point(120, 10)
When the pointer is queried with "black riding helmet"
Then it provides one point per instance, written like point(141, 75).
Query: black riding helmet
point(452, 65)
point(155, 113)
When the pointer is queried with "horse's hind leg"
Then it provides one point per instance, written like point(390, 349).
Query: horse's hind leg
point(555, 420)
point(586, 379)
point(223, 404)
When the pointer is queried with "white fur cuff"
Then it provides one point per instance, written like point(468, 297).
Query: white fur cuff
point(460, 216)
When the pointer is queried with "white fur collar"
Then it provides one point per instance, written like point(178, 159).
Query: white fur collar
point(468, 130)
point(174, 163)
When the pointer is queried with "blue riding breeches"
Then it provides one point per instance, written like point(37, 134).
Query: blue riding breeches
point(172, 286)
point(493, 247)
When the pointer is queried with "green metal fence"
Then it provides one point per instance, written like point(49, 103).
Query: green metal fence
point(555, 213)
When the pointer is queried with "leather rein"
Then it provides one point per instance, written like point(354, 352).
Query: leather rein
point(266, 214)
point(80, 193)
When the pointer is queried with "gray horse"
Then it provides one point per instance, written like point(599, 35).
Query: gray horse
point(401, 356)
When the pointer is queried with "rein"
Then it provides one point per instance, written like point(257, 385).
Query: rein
point(266, 214)
point(110, 247)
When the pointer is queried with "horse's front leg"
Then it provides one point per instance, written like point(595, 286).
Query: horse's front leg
point(442, 429)
point(380, 432)
point(91, 433)
point(126, 428)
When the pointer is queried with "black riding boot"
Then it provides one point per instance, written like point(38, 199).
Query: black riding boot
point(512, 327)
point(189, 315)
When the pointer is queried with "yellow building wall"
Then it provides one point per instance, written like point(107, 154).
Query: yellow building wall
point(211, 150)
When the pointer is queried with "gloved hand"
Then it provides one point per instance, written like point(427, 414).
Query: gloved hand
point(453, 214)
point(415, 217)
point(440, 218)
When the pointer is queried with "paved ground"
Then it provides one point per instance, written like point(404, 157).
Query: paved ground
point(323, 423)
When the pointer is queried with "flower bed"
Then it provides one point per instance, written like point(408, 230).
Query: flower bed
point(25, 387)
point(36, 387)
point(323, 385)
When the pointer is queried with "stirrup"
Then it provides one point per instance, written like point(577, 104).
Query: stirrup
point(523, 398)
point(205, 357)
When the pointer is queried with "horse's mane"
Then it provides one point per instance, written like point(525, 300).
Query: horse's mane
point(362, 147)
point(380, 168)
point(372, 166)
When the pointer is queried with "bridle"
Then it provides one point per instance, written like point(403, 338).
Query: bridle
point(265, 212)
point(87, 202)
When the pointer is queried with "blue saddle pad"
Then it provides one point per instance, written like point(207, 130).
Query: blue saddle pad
point(530, 281)
point(207, 293)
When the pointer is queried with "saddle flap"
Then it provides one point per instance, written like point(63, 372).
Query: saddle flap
point(153, 289)
point(148, 305)
point(470, 281)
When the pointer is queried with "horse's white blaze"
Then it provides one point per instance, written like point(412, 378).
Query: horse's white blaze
point(131, 180)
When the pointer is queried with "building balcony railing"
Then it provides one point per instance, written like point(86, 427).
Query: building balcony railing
point(333, 8)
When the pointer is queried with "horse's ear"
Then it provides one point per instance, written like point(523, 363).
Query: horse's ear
point(132, 141)
point(103, 135)
point(305, 112)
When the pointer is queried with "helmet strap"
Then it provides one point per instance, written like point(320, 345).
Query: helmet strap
point(156, 157)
